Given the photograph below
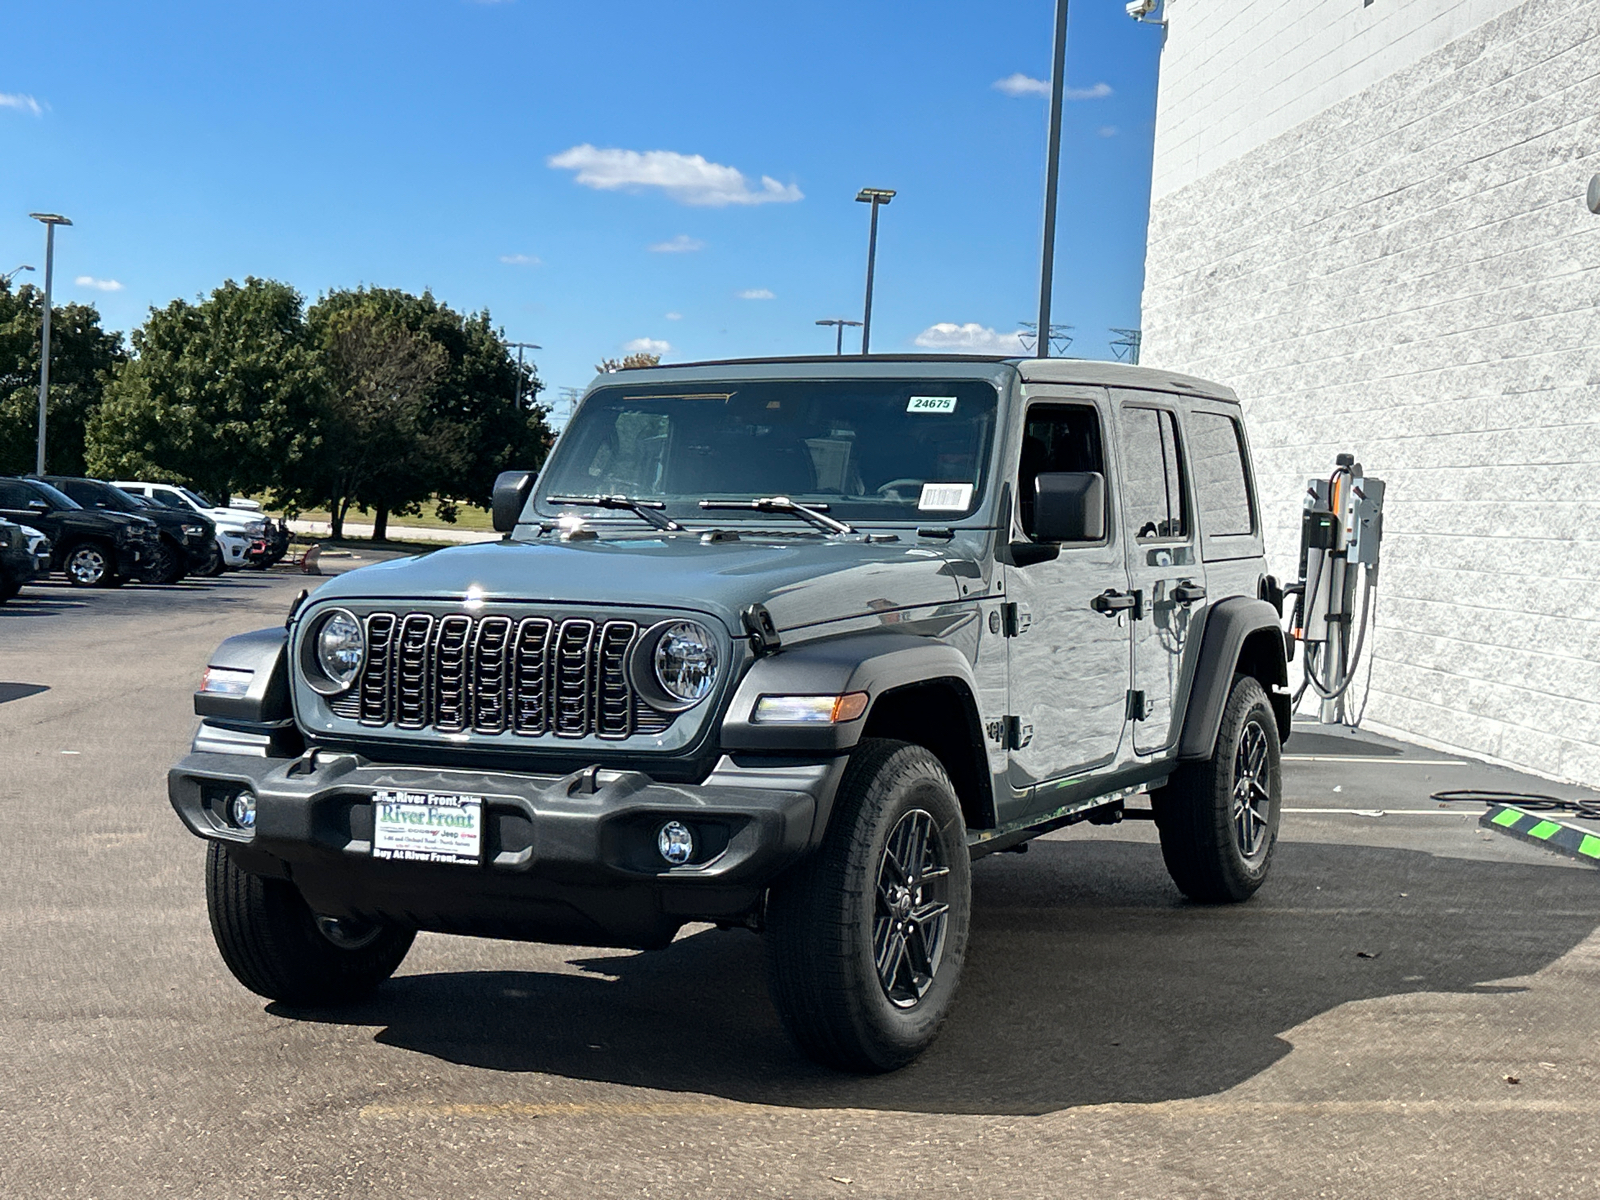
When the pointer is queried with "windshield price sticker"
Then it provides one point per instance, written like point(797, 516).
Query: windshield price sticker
point(931, 404)
point(427, 827)
point(945, 497)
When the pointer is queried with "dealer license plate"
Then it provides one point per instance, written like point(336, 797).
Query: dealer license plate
point(441, 827)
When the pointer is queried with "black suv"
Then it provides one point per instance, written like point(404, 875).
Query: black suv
point(16, 563)
point(186, 538)
point(94, 548)
point(776, 645)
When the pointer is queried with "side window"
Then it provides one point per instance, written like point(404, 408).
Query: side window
point(83, 493)
point(1221, 490)
point(13, 494)
point(1056, 437)
point(1153, 476)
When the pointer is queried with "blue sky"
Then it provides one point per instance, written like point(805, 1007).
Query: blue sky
point(595, 174)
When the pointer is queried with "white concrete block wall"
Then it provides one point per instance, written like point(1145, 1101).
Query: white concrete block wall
point(1409, 272)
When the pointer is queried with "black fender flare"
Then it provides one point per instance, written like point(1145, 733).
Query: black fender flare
point(1230, 624)
point(877, 663)
point(264, 653)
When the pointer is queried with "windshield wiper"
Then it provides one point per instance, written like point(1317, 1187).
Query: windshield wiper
point(813, 514)
point(643, 509)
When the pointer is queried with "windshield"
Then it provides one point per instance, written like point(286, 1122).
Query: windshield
point(861, 450)
point(58, 498)
point(197, 498)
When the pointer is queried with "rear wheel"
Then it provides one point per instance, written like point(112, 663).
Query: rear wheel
point(866, 938)
point(1218, 819)
point(278, 948)
point(90, 564)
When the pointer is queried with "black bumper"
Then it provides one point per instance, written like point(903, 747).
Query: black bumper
point(569, 859)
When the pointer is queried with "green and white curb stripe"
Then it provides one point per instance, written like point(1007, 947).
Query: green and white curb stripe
point(1572, 840)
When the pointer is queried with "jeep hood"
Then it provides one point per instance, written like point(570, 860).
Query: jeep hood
point(801, 581)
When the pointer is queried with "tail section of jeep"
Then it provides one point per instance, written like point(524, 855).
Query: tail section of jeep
point(782, 645)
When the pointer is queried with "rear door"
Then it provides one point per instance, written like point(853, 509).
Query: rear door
point(1163, 562)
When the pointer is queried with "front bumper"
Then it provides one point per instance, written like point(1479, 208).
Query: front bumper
point(233, 547)
point(569, 859)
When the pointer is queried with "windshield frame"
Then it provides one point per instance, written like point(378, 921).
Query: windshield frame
point(556, 477)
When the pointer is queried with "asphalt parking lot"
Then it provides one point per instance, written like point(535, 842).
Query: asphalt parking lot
point(1408, 1009)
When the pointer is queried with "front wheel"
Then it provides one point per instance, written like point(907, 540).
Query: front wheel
point(215, 563)
point(166, 565)
point(89, 564)
point(866, 938)
point(278, 948)
point(1218, 819)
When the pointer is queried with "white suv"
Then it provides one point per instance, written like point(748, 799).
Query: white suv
point(236, 528)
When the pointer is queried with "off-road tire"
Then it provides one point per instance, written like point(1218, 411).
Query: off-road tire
point(166, 565)
point(1215, 851)
point(272, 942)
point(822, 967)
point(90, 564)
point(9, 588)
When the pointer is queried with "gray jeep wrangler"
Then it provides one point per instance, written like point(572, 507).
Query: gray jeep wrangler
point(772, 644)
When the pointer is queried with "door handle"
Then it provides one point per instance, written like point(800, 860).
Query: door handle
point(1110, 602)
point(1188, 592)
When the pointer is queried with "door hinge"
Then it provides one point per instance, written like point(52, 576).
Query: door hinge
point(1138, 709)
point(1018, 733)
point(1016, 618)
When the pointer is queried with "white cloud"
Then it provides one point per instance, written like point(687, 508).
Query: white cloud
point(1108, 131)
point(647, 346)
point(971, 338)
point(674, 316)
point(756, 294)
point(21, 103)
point(682, 244)
point(521, 260)
point(1025, 85)
point(687, 178)
point(99, 285)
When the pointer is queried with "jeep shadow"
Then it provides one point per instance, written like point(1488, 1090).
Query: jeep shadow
point(1089, 980)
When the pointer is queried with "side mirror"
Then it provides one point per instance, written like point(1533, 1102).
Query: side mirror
point(38, 506)
point(511, 490)
point(1069, 506)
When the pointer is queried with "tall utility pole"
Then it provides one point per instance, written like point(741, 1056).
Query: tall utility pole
point(51, 220)
point(838, 342)
point(1058, 78)
point(874, 197)
point(520, 347)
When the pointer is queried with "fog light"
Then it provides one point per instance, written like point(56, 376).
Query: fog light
point(675, 842)
point(243, 810)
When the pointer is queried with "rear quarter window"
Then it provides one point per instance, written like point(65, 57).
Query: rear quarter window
point(1221, 485)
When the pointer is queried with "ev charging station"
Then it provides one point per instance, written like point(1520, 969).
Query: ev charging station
point(1341, 537)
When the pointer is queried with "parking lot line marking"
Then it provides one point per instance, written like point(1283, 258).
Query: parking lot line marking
point(1383, 812)
point(1590, 846)
point(603, 1108)
point(1396, 762)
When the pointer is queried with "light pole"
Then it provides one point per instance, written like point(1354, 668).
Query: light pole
point(51, 220)
point(520, 347)
point(874, 197)
point(10, 275)
point(1058, 76)
point(838, 342)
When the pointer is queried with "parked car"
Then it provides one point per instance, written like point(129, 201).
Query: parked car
point(188, 541)
point(270, 548)
point(92, 547)
point(236, 528)
point(39, 547)
point(780, 645)
point(16, 561)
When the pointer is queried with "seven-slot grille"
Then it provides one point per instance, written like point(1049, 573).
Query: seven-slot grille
point(496, 674)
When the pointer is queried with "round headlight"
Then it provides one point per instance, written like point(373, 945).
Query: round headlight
point(685, 661)
point(341, 648)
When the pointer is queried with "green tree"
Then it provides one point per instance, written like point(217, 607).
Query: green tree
point(628, 362)
point(82, 356)
point(224, 394)
point(375, 419)
point(482, 417)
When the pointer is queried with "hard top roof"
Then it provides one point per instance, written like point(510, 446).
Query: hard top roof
point(1080, 371)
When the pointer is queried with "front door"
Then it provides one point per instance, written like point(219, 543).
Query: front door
point(1163, 565)
point(1069, 661)
point(21, 503)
